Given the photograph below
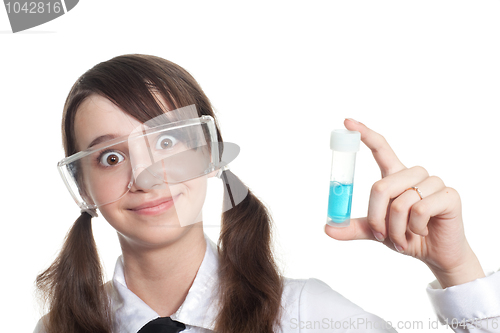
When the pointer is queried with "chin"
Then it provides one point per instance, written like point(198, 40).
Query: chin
point(151, 237)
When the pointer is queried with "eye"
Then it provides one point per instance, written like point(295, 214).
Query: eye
point(166, 142)
point(111, 158)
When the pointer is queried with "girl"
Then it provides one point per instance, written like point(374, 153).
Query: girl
point(141, 140)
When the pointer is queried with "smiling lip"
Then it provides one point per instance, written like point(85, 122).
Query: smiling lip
point(154, 207)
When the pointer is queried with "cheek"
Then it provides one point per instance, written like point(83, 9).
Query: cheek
point(198, 190)
point(190, 209)
point(111, 214)
point(102, 193)
point(105, 186)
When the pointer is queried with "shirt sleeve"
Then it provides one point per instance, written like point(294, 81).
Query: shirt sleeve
point(322, 309)
point(470, 307)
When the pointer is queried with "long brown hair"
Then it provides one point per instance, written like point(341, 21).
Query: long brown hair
point(250, 285)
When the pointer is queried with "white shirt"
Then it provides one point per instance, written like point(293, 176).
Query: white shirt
point(309, 305)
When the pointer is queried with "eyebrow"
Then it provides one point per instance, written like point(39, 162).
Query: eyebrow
point(101, 138)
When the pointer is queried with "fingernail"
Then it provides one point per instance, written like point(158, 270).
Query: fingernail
point(378, 236)
point(398, 248)
point(357, 122)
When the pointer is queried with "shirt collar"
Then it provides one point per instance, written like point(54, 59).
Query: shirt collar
point(198, 309)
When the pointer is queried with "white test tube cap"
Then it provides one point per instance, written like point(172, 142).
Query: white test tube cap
point(345, 140)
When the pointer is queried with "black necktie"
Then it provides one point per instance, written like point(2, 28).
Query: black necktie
point(163, 325)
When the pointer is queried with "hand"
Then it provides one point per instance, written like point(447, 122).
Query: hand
point(429, 229)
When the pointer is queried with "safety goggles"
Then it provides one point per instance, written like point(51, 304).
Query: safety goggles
point(164, 151)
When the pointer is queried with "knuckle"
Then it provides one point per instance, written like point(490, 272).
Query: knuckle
point(398, 207)
point(381, 140)
point(451, 191)
point(379, 188)
point(384, 141)
point(373, 223)
point(419, 209)
point(437, 180)
point(421, 170)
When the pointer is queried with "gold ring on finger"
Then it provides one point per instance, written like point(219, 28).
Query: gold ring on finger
point(416, 190)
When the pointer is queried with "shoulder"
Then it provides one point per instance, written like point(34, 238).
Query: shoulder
point(316, 294)
point(40, 327)
point(311, 304)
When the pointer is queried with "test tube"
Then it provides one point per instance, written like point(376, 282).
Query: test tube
point(344, 145)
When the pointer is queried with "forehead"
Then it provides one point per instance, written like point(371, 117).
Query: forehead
point(97, 116)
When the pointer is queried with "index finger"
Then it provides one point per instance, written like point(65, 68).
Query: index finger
point(385, 157)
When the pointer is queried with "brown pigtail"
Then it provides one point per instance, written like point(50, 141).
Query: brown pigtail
point(73, 284)
point(250, 285)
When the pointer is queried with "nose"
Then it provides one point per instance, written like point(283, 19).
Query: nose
point(150, 178)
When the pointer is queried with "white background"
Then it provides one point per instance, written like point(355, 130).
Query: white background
point(281, 75)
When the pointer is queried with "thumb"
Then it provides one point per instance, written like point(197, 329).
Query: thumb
point(357, 229)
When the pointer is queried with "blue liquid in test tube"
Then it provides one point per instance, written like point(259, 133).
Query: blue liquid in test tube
point(339, 202)
point(344, 145)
